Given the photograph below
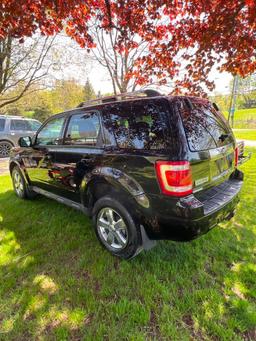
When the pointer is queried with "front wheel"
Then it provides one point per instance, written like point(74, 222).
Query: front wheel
point(20, 187)
point(115, 228)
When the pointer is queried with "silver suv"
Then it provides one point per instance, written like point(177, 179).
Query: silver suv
point(12, 128)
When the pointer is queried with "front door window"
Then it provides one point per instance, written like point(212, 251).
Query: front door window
point(51, 133)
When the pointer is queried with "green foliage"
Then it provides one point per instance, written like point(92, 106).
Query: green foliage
point(65, 95)
point(223, 101)
point(244, 118)
point(58, 283)
point(89, 92)
point(42, 113)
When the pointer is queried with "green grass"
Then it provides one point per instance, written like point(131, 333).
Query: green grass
point(244, 118)
point(245, 134)
point(58, 283)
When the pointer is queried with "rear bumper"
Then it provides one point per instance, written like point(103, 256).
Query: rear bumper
point(198, 213)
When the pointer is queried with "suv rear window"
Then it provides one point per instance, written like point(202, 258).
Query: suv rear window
point(2, 124)
point(204, 127)
point(138, 125)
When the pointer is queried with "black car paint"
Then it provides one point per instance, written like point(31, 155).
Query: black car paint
point(82, 174)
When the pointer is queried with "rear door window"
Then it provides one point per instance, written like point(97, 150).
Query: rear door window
point(2, 124)
point(204, 127)
point(19, 125)
point(83, 129)
point(138, 125)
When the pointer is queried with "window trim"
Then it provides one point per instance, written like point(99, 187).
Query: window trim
point(84, 112)
point(60, 141)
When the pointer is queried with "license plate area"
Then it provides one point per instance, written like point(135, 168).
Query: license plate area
point(222, 162)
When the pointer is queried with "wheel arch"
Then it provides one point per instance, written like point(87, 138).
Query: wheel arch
point(99, 187)
point(6, 140)
point(14, 163)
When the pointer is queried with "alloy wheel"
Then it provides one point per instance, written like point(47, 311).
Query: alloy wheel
point(18, 183)
point(112, 228)
point(5, 149)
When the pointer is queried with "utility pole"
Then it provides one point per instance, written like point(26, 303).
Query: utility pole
point(232, 106)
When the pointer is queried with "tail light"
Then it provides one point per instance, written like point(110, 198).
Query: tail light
point(236, 156)
point(175, 178)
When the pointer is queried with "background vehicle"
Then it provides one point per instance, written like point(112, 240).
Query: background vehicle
point(142, 165)
point(12, 128)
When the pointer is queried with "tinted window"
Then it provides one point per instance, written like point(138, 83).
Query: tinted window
point(138, 125)
point(83, 129)
point(2, 124)
point(51, 132)
point(204, 126)
point(20, 125)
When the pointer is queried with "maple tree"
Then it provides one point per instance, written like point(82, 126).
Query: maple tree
point(186, 38)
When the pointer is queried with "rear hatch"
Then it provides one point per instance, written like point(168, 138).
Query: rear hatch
point(210, 141)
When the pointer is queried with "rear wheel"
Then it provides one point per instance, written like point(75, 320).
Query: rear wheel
point(115, 228)
point(5, 148)
point(20, 186)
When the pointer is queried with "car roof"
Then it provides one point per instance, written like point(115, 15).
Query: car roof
point(168, 97)
point(18, 117)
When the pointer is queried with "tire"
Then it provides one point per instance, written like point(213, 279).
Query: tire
point(20, 186)
point(122, 237)
point(5, 148)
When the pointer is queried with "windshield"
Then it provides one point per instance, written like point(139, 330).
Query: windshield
point(34, 125)
point(205, 128)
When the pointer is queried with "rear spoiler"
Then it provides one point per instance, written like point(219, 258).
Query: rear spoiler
point(241, 157)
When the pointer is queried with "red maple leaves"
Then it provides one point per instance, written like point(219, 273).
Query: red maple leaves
point(185, 38)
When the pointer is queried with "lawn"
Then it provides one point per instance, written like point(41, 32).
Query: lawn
point(245, 134)
point(58, 283)
point(244, 118)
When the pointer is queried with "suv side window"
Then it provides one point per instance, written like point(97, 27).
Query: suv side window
point(19, 125)
point(83, 129)
point(2, 124)
point(138, 125)
point(51, 133)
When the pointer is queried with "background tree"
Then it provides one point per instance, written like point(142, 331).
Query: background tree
point(119, 61)
point(247, 91)
point(22, 66)
point(89, 92)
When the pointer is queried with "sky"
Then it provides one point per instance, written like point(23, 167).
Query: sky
point(101, 81)
point(80, 66)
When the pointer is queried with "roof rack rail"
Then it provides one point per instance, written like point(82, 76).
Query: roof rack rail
point(119, 97)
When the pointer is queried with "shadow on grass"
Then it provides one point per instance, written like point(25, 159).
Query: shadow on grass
point(58, 282)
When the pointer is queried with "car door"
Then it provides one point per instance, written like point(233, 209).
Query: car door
point(80, 154)
point(18, 128)
point(39, 160)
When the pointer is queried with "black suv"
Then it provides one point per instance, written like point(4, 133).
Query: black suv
point(144, 166)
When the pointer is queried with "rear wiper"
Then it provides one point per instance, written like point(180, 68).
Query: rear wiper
point(223, 137)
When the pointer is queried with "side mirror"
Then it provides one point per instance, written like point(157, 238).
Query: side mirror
point(25, 141)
